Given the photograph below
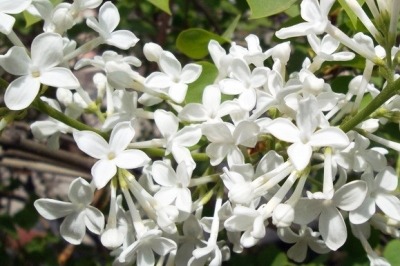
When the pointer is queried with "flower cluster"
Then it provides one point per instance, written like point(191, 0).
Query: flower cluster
point(263, 147)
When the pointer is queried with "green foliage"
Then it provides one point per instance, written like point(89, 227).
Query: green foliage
point(266, 8)
point(207, 77)
point(391, 252)
point(353, 17)
point(194, 42)
point(162, 4)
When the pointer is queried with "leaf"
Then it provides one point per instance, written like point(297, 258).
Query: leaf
point(230, 30)
point(162, 4)
point(194, 42)
point(207, 77)
point(391, 252)
point(353, 17)
point(30, 19)
point(266, 8)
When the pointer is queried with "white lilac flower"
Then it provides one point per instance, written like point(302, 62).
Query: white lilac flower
point(110, 155)
point(40, 68)
point(173, 79)
point(177, 141)
point(11, 7)
point(225, 138)
point(315, 13)
point(302, 240)
point(254, 54)
point(221, 59)
point(244, 83)
point(380, 193)
point(305, 135)
point(108, 21)
point(78, 213)
point(174, 185)
point(331, 223)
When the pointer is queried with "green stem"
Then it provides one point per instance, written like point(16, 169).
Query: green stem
point(390, 90)
point(50, 111)
point(3, 84)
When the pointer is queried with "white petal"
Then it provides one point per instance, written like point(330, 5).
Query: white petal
point(246, 133)
point(364, 212)
point(73, 228)
point(163, 174)
point(145, 256)
point(217, 152)
point(91, 143)
point(47, 50)
point(170, 65)
point(241, 71)
point(182, 154)
point(259, 77)
point(343, 56)
point(332, 228)
point(112, 238)
point(300, 29)
point(248, 99)
point(166, 196)
point(194, 112)
point(13, 6)
point(350, 196)
point(187, 136)
point(389, 204)
point(162, 246)
point(102, 172)
point(16, 61)
point(94, 220)
point(218, 132)
point(184, 200)
point(166, 122)
point(109, 17)
point(122, 39)
point(121, 136)
point(329, 137)
point(235, 156)
point(314, 42)
point(7, 23)
point(298, 252)
point(53, 209)
point(130, 159)
point(306, 210)
point(299, 154)
point(287, 235)
point(284, 129)
point(387, 179)
point(95, 25)
point(190, 73)
point(21, 92)
point(177, 92)
point(158, 80)
point(80, 192)
point(59, 77)
point(231, 86)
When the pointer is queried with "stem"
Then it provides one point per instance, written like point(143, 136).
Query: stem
point(389, 91)
point(50, 111)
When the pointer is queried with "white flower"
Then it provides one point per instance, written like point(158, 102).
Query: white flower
point(174, 185)
point(110, 155)
point(380, 191)
point(41, 68)
point(78, 213)
point(304, 136)
point(315, 13)
point(11, 7)
point(173, 78)
point(108, 20)
point(331, 223)
point(302, 240)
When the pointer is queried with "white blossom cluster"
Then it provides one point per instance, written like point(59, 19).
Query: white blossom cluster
point(275, 144)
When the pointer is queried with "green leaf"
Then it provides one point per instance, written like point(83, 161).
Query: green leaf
point(230, 30)
point(194, 42)
point(266, 8)
point(353, 17)
point(391, 252)
point(207, 77)
point(30, 19)
point(162, 4)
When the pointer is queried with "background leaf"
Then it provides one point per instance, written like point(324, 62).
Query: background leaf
point(194, 42)
point(353, 17)
point(207, 77)
point(162, 4)
point(266, 8)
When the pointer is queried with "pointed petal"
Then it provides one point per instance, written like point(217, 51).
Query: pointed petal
point(170, 65)
point(177, 92)
point(122, 39)
point(350, 196)
point(7, 23)
point(329, 137)
point(194, 112)
point(80, 192)
point(163, 246)
point(59, 77)
point(307, 116)
point(287, 235)
point(218, 132)
point(145, 256)
point(21, 92)
point(47, 50)
point(163, 174)
point(184, 200)
point(190, 73)
point(387, 179)
point(53, 209)
point(166, 196)
point(102, 172)
point(259, 77)
point(300, 155)
point(217, 152)
point(298, 252)
point(16, 61)
point(121, 136)
point(187, 136)
point(91, 143)
point(389, 204)
point(284, 129)
point(109, 17)
point(248, 99)
point(300, 29)
point(94, 220)
point(306, 210)
point(241, 71)
point(73, 228)
point(231, 86)
point(13, 6)
point(131, 159)
point(332, 228)
point(166, 122)
point(158, 80)
point(246, 133)
point(364, 212)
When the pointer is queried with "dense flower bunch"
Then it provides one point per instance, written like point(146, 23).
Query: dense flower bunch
point(263, 147)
